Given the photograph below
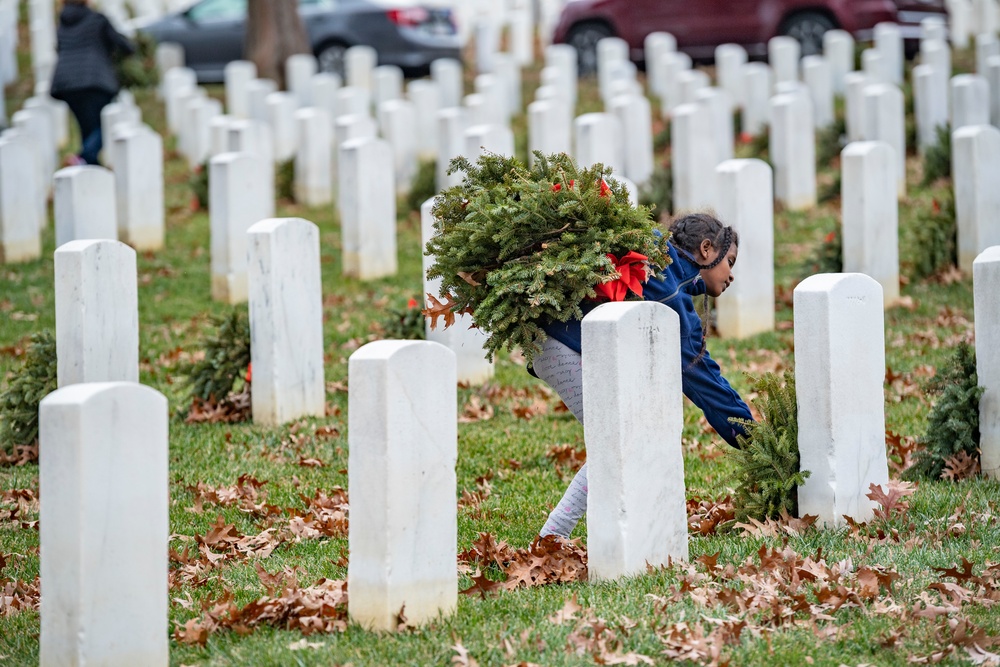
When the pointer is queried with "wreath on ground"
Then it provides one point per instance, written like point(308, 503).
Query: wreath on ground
point(518, 247)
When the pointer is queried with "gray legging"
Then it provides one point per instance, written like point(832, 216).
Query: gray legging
point(562, 369)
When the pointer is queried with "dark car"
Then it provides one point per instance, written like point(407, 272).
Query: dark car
point(212, 31)
point(703, 25)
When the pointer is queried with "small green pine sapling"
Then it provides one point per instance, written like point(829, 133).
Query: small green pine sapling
point(953, 424)
point(19, 403)
point(767, 462)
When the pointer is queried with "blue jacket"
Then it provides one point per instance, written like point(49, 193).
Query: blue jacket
point(702, 380)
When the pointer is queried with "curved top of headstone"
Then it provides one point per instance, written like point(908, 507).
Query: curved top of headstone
point(180, 74)
point(991, 254)
point(968, 79)
point(361, 142)
point(451, 112)
point(613, 47)
point(86, 171)
point(883, 89)
point(303, 57)
point(233, 156)
point(94, 245)
point(729, 47)
point(242, 65)
point(629, 312)
point(865, 148)
point(743, 164)
point(976, 131)
point(389, 106)
point(285, 224)
point(841, 284)
point(313, 112)
point(690, 109)
point(401, 350)
point(85, 392)
point(756, 66)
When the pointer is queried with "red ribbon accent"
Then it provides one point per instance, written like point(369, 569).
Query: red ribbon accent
point(558, 186)
point(631, 275)
point(606, 192)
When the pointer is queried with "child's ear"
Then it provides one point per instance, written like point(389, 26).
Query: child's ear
point(705, 248)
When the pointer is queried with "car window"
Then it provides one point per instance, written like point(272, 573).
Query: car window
point(210, 11)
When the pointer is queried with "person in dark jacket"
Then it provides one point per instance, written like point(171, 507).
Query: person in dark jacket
point(85, 76)
point(703, 252)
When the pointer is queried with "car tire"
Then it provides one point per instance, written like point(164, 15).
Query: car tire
point(330, 59)
point(584, 39)
point(808, 29)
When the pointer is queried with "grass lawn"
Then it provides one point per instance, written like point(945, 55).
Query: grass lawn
point(781, 595)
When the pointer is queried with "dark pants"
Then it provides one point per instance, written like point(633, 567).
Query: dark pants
point(86, 105)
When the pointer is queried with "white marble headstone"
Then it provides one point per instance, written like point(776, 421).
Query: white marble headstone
point(367, 205)
point(314, 157)
point(286, 320)
point(976, 175)
point(885, 120)
point(838, 49)
point(237, 201)
point(693, 167)
point(451, 124)
point(636, 514)
point(401, 477)
point(238, 74)
point(447, 73)
point(103, 464)
point(746, 201)
point(21, 216)
point(839, 376)
point(793, 150)
point(986, 285)
point(757, 82)
point(597, 138)
point(138, 155)
point(871, 214)
point(299, 70)
point(462, 338)
point(97, 312)
point(85, 204)
point(783, 56)
point(399, 128)
point(635, 115)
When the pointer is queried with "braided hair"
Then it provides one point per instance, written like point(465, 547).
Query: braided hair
point(687, 235)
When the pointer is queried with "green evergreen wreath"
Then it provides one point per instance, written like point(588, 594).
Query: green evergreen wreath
point(517, 247)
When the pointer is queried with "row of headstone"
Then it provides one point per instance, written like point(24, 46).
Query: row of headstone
point(90, 202)
point(123, 426)
point(97, 330)
point(118, 431)
point(406, 122)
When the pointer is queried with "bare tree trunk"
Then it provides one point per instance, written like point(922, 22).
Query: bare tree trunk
point(274, 32)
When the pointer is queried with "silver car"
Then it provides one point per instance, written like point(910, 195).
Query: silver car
point(212, 34)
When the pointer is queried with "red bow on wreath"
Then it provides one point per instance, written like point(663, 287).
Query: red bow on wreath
point(631, 274)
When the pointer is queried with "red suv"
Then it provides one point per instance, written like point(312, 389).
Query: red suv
point(702, 25)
